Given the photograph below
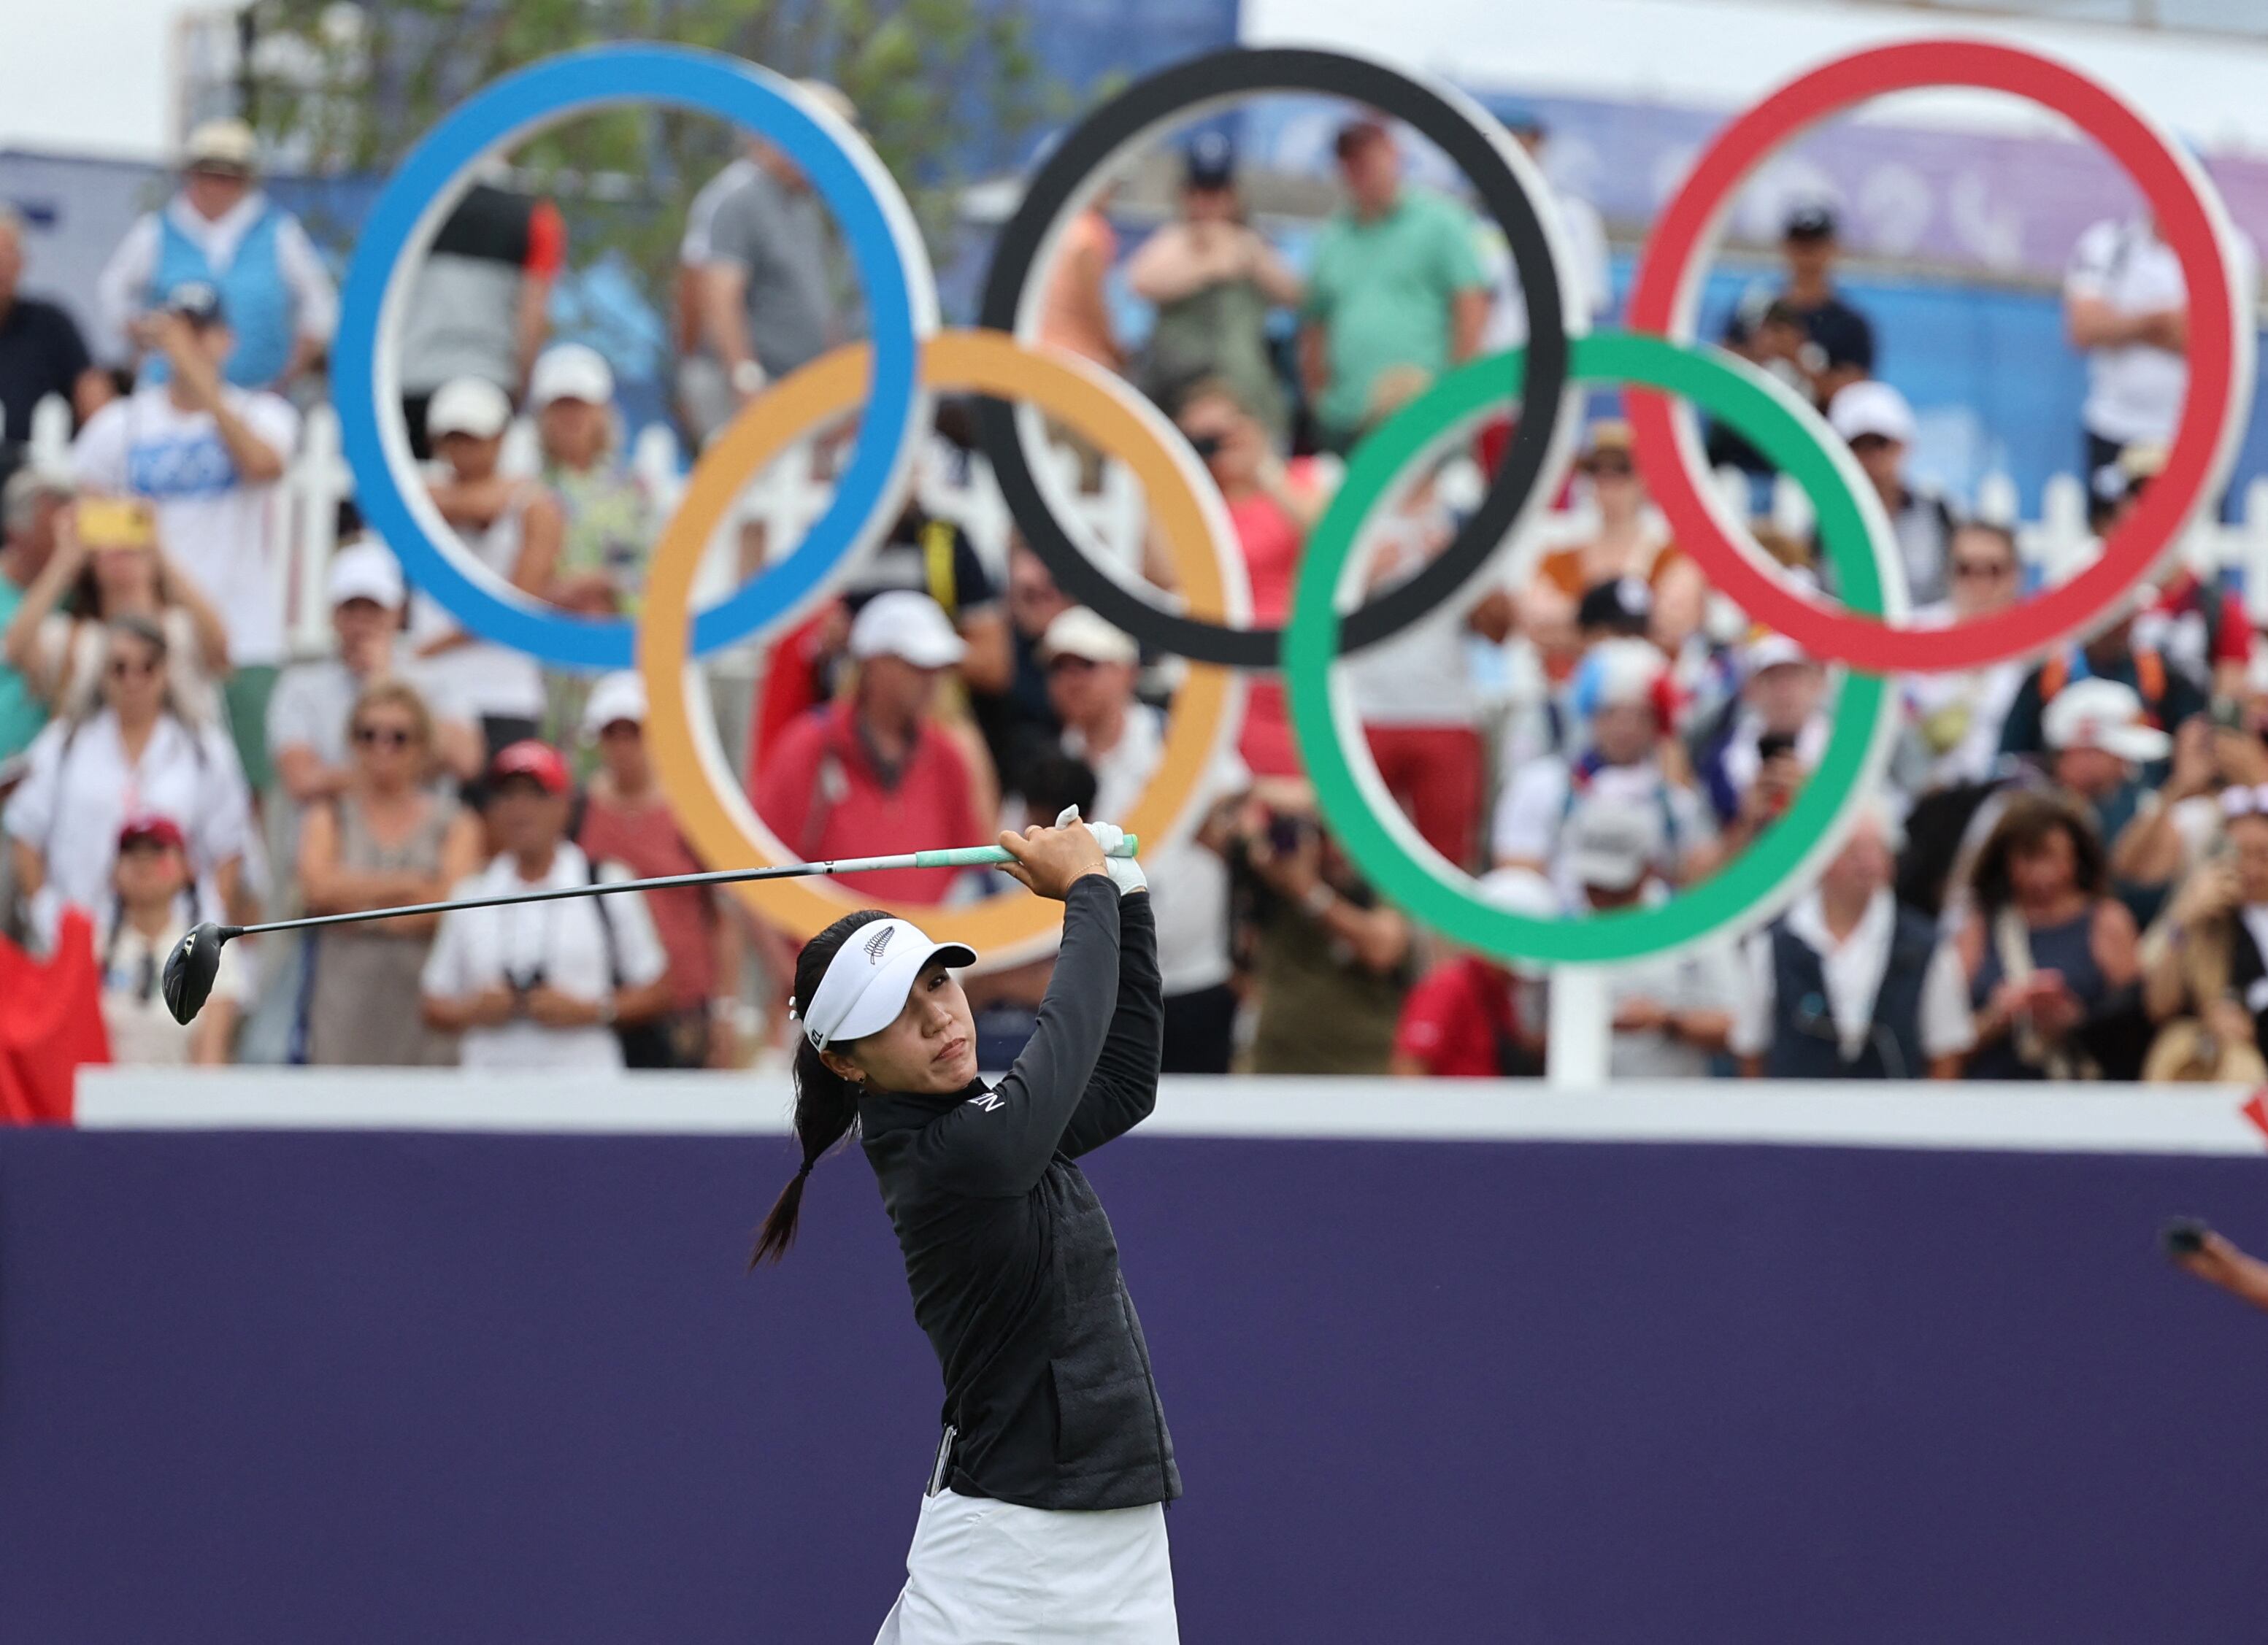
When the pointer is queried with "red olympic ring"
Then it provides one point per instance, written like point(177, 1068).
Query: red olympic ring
point(2191, 220)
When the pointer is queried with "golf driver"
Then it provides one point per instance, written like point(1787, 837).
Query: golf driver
point(195, 960)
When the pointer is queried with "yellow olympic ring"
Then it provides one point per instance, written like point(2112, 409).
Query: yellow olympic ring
point(722, 827)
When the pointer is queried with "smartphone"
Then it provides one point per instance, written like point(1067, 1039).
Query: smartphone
point(1285, 832)
point(114, 523)
point(2184, 1237)
point(1774, 745)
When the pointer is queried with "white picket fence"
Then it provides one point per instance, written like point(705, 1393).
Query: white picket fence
point(1109, 514)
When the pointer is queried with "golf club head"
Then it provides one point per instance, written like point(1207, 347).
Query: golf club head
point(191, 968)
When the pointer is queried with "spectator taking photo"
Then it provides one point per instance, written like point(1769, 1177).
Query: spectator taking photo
point(542, 985)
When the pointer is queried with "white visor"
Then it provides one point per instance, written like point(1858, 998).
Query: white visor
point(868, 979)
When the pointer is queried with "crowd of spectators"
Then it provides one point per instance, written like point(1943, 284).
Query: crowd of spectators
point(2066, 875)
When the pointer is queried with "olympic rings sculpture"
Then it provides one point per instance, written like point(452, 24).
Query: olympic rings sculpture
point(890, 384)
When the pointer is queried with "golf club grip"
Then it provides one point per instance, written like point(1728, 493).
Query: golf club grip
point(987, 855)
point(954, 856)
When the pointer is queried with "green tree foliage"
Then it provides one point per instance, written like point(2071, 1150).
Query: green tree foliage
point(338, 88)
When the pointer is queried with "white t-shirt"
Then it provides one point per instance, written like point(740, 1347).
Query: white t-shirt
point(1853, 970)
point(477, 948)
point(81, 788)
point(1532, 814)
point(1189, 883)
point(2133, 392)
point(482, 677)
point(1965, 711)
point(218, 529)
point(1424, 675)
point(1586, 231)
point(314, 701)
point(143, 1033)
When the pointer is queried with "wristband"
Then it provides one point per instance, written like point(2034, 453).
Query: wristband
point(1319, 900)
point(747, 378)
point(606, 1011)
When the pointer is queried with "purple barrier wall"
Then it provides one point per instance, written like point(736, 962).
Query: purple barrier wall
point(382, 1387)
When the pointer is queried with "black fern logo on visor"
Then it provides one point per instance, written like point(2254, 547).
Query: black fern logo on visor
point(879, 941)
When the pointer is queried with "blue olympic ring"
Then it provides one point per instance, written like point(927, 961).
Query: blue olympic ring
point(885, 247)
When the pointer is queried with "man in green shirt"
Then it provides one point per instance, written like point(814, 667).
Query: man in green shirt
point(30, 506)
point(1397, 281)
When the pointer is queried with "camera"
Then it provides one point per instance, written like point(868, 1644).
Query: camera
point(1286, 833)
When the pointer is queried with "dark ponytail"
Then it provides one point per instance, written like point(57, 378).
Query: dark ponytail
point(826, 1104)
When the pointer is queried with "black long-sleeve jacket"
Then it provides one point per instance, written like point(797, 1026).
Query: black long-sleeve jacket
point(1013, 1265)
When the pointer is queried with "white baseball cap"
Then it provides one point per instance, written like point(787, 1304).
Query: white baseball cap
point(1771, 649)
point(1080, 632)
point(2103, 714)
point(904, 624)
point(1609, 845)
point(1871, 407)
point(837, 100)
point(468, 405)
point(571, 371)
point(221, 144)
point(617, 696)
point(1621, 672)
point(365, 570)
point(868, 979)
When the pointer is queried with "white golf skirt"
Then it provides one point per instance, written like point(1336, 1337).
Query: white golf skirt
point(987, 1573)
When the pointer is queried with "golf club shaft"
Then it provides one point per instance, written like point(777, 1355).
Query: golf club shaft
point(952, 856)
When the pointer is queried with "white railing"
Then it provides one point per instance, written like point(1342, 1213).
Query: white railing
point(2041, 1116)
point(793, 493)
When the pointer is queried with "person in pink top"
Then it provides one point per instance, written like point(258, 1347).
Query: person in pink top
point(1075, 311)
point(627, 819)
point(1273, 504)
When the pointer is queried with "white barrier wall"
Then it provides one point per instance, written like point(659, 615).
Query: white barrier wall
point(2072, 1119)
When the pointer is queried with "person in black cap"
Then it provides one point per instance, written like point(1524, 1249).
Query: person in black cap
point(1621, 608)
point(1213, 278)
point(1839, 340)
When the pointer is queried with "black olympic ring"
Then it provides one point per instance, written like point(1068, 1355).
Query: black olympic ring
point(1093, 143)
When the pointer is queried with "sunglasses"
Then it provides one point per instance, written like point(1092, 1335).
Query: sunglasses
point(1871, 443)
point(387, 736)
point(1620, 467)
point(126, 668)
point(1981, 568)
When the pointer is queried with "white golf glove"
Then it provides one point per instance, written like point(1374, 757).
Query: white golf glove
point(1124, 871)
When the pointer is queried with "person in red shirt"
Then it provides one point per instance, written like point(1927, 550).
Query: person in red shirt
point(1474, 1017)
point(627, 819)
point(874, 773)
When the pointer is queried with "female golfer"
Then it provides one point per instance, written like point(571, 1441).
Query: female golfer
point(1044, 1518)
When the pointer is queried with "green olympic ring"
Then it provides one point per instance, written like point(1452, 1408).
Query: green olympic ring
point(1868, 576)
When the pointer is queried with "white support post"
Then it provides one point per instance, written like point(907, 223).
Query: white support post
point(1581, 1029)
